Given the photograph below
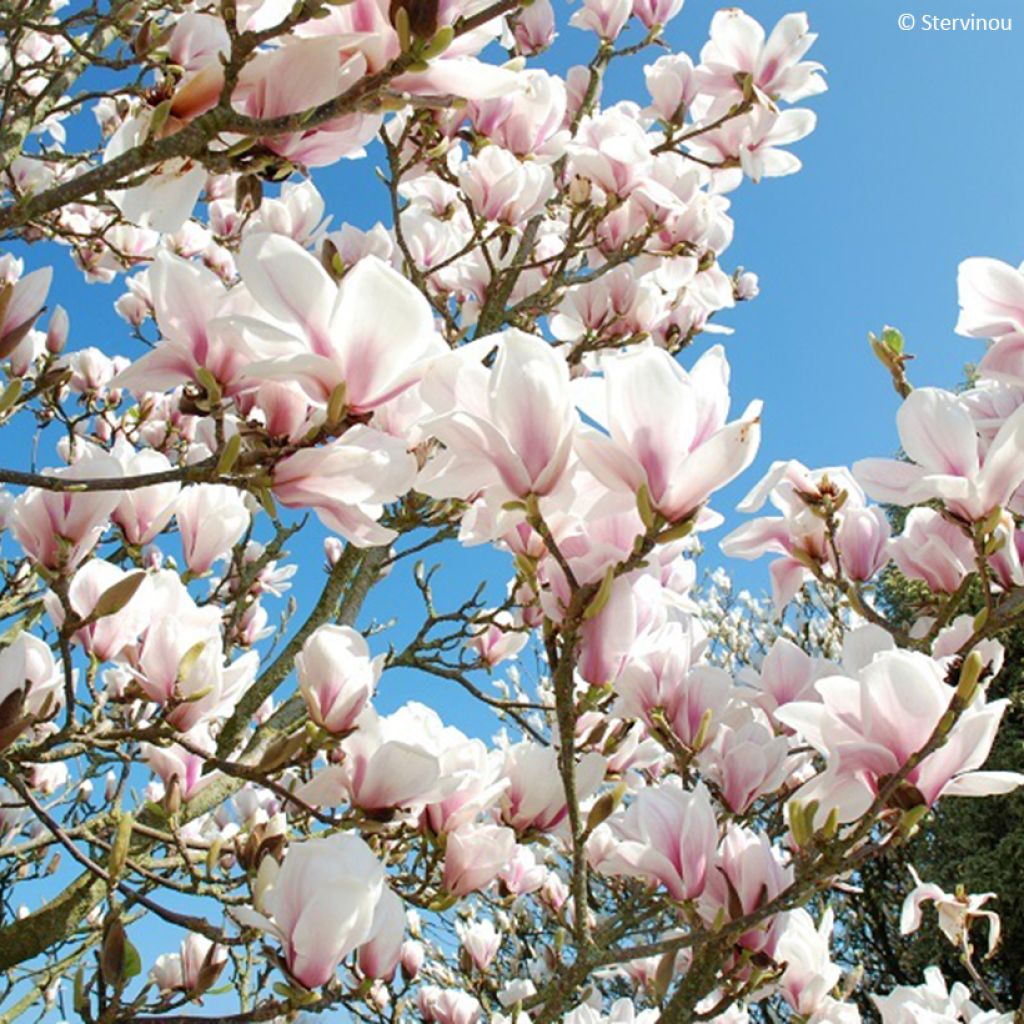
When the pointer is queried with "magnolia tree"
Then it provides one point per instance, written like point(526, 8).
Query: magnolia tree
point(199, 800)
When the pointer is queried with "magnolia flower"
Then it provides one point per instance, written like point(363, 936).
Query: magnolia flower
point(800, 535)
point(380, 955)
point(386, 765)
point(738, 48)
point(934, 1001)
point(201, 963)
point(187, 300)
point(787, 673)
point(809, 975)
point(143, 512)
point(667, 430)
point(535, 797)
point(21, 302)
point(182, 766)
point(672, 85)
point(297, 76)
point(27, 665)
point(666, 835)
point(211, 519)
point(607, 18)
point(747, 759)
point(992, 306)
point(337, 677)
point(164, 200)
point(58, 529)
point(372, 333)
point(748, 873)
point(933, 549)
point(939, 436)
point(108, 634)
point(481, 940)
point(868, 727)
point(535, 28)
point(753, 141)
point(474, 777)
point(498, 638)
point(348, 482)
point(654, 14)
point(318, 933)
point(509, 428)
point(474, 855)
point(503, 188)
point(956, 912)
point(659, 676)
point(527, 121)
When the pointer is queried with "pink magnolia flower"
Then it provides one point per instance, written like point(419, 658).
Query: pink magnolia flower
point(348, 482)
point(197, 44)
point(504, 188)
point(662, 673)
point(164, 201)
point(933, 549)
point(389, 763)
point(201, 963)
point(178, 765)
point(607, 18)
point(672, 84)
point(509, 428)
point(800, 535)
point(941, 439)
point(656, 13)
point(143, 512)
point(337, 677)
point(25, 300)
point(750, 145)
point(667, 835)
point(107, 636)
point(188, 301)
point(932, 1001)
point(380, 955)
point(285, 409)
point(318, 933)
point(956, 912)
point(373, 333)
point(474, 855)
point(528, 121)
point(612, 150)
point(453, 1006)
point(474, 781)
point(535, 798)
point(27, 664)
point(810, 974)
point(481, 940)
point(868, 727)
point(298, 76)
point(211, 519)
point(787, 673)
point(992, 306)
point(535, 28)
point(58, 529)
point(499, 638)
point(747, 760)
point(749, 872)
point(667, 430)
point(737, 47)
point(524, 874)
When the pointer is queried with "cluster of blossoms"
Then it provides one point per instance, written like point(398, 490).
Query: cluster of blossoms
point(653, 831)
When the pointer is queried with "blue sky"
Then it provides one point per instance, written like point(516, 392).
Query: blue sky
point(914, 166)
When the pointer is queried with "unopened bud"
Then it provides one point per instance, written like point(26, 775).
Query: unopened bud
point(57, 330)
